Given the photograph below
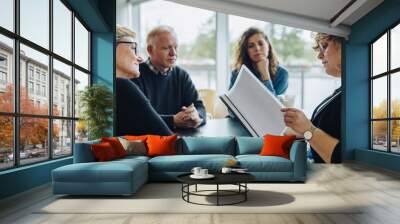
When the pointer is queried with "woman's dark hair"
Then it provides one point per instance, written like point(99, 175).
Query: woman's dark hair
point(242, 57)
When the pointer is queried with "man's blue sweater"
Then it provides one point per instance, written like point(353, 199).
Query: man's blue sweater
point(168, 93)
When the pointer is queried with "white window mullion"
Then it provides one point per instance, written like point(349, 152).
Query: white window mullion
point(222, 52)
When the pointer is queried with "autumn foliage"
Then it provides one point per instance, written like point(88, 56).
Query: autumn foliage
point(33, 131)
point(380, 127)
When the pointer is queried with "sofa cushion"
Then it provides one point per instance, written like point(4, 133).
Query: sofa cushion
point(134, 147)
point(103, 152)
point(206, 145)
point(185, 163)
point(277, 145)
point(129, 159)
point(136, 137)
point(118, 171)
point(83, 152)
point(161, 145)
point(257, 163)
point(118, 177)
point(249, 145)
point(117, 146)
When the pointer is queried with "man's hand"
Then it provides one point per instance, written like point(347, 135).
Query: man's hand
point(188, 117)
point(263, 68)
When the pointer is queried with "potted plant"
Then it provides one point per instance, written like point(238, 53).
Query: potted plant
point(96, 102)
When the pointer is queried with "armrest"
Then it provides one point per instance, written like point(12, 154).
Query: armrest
point(83, 152)
point(298, 155)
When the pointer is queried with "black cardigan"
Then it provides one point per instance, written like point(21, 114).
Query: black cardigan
point(327, 117)
point(135, 115)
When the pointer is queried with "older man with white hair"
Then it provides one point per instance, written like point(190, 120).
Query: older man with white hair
point(168, 87)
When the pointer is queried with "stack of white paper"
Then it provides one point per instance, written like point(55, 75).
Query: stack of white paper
point(254, 105)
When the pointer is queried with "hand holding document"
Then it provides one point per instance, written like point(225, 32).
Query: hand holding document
point(254, 105)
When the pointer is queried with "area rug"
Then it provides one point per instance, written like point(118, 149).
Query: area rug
point(167, 198)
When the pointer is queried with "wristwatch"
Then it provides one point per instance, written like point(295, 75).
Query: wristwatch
point(309, 133)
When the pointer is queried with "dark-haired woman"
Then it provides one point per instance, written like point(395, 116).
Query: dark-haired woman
point(255, 51)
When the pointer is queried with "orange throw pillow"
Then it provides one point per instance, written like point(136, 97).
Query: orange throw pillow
point(116, 145)
point(103, 152)
point(161, 145)
point(277, 145)
point(136, 137)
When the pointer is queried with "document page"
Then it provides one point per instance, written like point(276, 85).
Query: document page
point(256, 104)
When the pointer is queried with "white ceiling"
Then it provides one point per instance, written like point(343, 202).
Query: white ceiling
point(314, 15)
point(320, 9)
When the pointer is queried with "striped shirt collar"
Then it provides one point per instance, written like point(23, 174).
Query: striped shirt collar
point(155, 70)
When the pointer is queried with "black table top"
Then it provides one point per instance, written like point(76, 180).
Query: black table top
point(220, 178)
point(217, 128)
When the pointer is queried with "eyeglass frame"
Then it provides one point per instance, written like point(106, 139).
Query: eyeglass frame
point(130, 42)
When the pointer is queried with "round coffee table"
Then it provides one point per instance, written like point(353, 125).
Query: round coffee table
point(238, 179)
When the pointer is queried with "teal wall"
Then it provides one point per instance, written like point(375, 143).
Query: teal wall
point(24, 178)
point(99, 16)
point(356, 85)
point(103, 60)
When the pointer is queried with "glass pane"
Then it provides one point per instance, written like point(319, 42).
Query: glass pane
point(34, 97)
point(62, 138)
point(314, 81)
point(6, 74)
point(81, 131)
point(6, 142)
point(62, 29)
point(33, 139)
point(379, 98)
point(379, 135)
point(395, 136)
point(379, 55)
point(7, 14)
point(62, 89)
point(395, 47)
point(35, 21)
point(81, 45)
point(196, 37)
point(395, 94)
point(81, 81)
point(237, 25)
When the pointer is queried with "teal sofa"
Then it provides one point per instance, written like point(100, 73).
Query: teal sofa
point(125, 176)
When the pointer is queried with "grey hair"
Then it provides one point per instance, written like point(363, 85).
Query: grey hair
point(157, 31)
point(123, 32)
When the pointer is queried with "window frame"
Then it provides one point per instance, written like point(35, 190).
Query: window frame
point(16, 115)
point(388, 74)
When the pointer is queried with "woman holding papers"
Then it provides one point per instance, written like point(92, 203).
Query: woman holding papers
point(322, 132)
point(255, 51)
point(135, 115)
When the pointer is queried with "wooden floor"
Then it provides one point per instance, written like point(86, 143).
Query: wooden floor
point(377, 188)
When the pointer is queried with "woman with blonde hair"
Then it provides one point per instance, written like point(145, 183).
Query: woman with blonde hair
point(135, 115)
point(255, 51)
point(323, 130)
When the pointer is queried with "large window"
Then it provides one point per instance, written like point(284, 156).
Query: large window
point(206, 42)
point(40, 83)
point(385, 93)
point(196, 31)
point(197, 46)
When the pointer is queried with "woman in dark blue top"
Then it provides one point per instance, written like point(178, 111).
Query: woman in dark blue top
point(255, 51)
point(323, 131)
point(135, 115)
